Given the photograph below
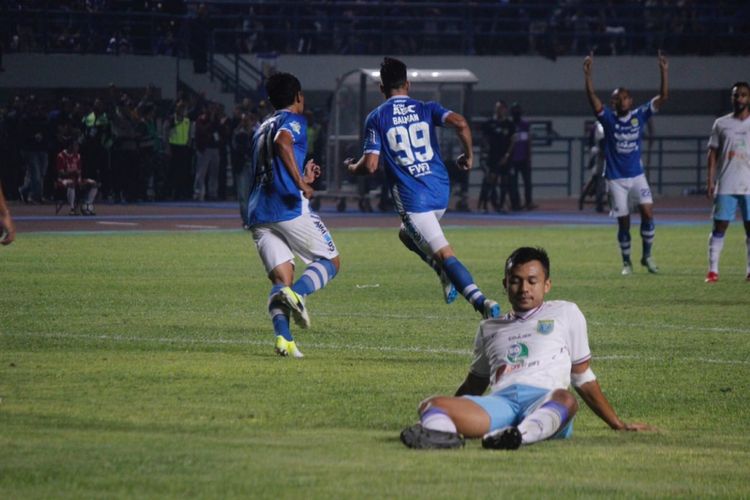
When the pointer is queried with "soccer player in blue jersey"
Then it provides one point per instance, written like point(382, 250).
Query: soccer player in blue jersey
point(401, 133)
point(278, 211)
point(623, 133)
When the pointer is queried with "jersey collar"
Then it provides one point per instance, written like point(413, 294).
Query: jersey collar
point(527, 314)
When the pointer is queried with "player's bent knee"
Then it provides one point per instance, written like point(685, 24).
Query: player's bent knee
point(336, 261)
point(565, 397)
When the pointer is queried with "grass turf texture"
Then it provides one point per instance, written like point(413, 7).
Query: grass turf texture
point(141, 365)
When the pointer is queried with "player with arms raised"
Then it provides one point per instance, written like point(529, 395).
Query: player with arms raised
point(401, 132)
point(278, 211)
point(623, 133)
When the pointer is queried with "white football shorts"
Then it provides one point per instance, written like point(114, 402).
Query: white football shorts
point(305, 236)
point(624, 194)
point(424, 229)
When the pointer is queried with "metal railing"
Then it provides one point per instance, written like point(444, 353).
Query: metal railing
point(673, 164)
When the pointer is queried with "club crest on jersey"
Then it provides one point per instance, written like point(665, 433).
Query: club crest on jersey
point(517, 352)
point(296, 127)
point(545, 326)
point(634, 122)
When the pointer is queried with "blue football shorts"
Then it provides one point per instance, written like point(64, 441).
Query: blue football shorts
point(725, 206)
point(511, 405)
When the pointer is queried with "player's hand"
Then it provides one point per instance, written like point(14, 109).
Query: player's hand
point(307, 191)
point(312, 171)
point(464, 161)
point(348, 163)
point(638, 427)
point(710, 189)
point(663, 62)
point(588, 61)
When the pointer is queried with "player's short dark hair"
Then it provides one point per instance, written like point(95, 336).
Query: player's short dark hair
point(619, 90)
point(527, 254)
point(392, 73)
point(741, 84)
point(282, 89)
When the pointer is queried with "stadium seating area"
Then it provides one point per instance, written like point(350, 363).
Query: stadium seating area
point(544, 27)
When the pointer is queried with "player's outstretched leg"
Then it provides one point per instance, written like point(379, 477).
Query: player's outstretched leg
point(464, 283)
point(647, 236)
point(623, 239)
point(747, 245)
point(449, 291)
point(715, 246)
point(279, 312)
point(434, 431)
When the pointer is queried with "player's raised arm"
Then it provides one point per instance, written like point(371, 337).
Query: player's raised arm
point(664, 88)
point(588, 388)
point(596, 104)
point(463, 131)
point(284, 147)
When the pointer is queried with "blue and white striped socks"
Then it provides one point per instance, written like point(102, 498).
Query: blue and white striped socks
point(316, 276)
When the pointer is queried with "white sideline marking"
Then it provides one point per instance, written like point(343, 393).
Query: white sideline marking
point(314, 345)
point(113, 223)
point(667, 326)
point(195, 226)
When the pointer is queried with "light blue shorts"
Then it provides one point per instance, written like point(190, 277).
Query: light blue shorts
point(725, 206)
point(514, 403)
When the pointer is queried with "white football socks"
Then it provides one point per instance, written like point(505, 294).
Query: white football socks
point(715, 246)
point(437, 420)
point(543, 423)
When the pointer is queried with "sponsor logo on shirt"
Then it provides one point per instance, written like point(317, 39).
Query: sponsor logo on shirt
point(296, 127)
point(517, 352)
point(403, 109)
point(420, 169)
point(403, 114)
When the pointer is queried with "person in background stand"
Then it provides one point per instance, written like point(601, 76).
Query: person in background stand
point(498, 133)
point(520, 160)
point(180, 154)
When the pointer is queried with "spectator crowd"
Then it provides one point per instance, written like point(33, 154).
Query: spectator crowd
point(549, 28)
point(135, 148)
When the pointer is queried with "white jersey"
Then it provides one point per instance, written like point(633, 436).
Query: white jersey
point(731, 137)
point(537, 350)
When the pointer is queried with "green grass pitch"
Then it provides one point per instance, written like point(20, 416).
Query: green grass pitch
point(141, 365)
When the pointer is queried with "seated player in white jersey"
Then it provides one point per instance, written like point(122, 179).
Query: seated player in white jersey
point(623, 133)
point(278, 212)
point(401, 133)
point(527, 358)
point(728, 179)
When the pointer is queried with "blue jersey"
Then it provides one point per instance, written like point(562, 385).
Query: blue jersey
point(274, 197)
point(402, 132)
point(622, 140)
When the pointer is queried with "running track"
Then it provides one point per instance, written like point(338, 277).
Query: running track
point(193, 216)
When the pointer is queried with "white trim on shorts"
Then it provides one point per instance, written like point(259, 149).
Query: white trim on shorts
point(626, 192)
point(305, 236)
